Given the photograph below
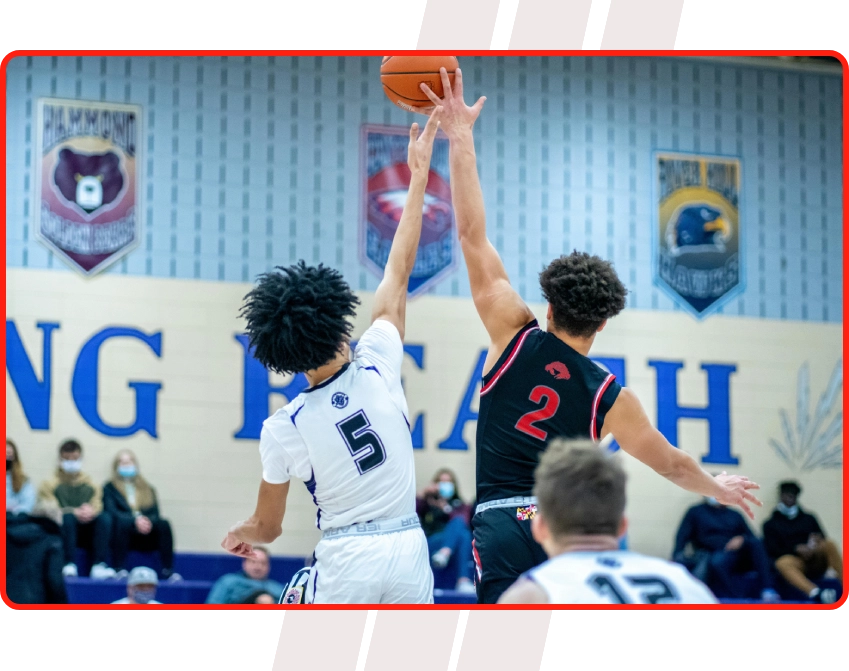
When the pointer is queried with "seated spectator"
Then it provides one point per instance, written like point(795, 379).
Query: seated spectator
point(84, 524)
point(141, 586)
point(236, 587)
point(445, 520)
point(20, 494)
point(34, 557)
point(722, 546)
point(799, 547)
point(260, 597)
point(131, 502)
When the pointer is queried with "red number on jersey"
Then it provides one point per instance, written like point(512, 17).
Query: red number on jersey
point(552, 402)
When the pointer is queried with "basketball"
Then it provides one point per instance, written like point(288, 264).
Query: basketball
point(401, 76)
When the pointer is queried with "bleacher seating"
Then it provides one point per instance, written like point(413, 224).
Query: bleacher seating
point(199, 572)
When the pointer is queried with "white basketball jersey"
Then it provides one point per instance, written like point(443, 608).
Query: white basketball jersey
point(617, 577)
point(348, 438)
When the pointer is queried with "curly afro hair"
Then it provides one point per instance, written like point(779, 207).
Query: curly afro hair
point(297, 318)
point(583, 291)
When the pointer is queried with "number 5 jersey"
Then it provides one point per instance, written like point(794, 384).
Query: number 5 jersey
point(348, 438)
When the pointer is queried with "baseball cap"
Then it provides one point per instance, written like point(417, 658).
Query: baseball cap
point(142, 575)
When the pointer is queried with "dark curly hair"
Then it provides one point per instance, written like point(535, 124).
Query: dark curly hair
point(583, 291)
point(297, 318)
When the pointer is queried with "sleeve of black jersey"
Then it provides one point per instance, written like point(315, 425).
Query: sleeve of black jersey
point(608, 398)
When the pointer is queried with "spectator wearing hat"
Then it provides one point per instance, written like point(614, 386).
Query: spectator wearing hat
point(796, 542)
point(141, 587)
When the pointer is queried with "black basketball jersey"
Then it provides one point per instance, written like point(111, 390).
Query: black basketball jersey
point(539, 389)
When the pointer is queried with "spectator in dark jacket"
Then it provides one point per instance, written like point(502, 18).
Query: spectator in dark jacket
point(445, 519)
point(34, 557)
point(722, 546)
point(797, 544)
point(131, 502)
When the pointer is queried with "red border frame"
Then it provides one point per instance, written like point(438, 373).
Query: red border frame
point(670, 53)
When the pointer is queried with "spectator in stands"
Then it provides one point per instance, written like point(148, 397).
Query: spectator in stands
point(34, 557)
point(445, 519)
point(799, 547)
point(261, 597)
point(723, 548)
point(236, 587)
point(84, 523)
point(141, 587)
point(20, 494)
point(131, 502)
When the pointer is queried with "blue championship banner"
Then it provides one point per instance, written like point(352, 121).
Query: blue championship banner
point(385, 182)
point(87, 173)
point(697, 230)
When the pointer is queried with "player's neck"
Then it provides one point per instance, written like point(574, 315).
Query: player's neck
point(580, 345)
point(594, 543)
point(328, 370)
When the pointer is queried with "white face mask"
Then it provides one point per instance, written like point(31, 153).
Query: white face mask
point(71, 465)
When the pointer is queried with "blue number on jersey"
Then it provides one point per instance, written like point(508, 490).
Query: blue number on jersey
point(363, 443)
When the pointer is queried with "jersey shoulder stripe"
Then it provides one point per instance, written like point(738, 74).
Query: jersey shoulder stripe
point(599, 393)
point(499, 370)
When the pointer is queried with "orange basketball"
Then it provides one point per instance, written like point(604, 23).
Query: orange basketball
point(401, 76)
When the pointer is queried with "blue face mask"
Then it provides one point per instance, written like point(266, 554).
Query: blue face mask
point(789, 511)
point(143, 595)
point(127, 471)
point(446, 489)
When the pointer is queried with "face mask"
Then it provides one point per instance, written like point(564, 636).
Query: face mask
point(72, 465)
point(446, 489)
point(712, 500)
point(144, 595)
point(789, 511)
point(127, 471)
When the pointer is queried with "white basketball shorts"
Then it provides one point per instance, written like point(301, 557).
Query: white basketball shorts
point(383, 568)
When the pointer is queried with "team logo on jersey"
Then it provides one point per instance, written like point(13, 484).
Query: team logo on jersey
point(294, 595)
point(386, 179)
point(558, 370)
point(339, 400)
point(526, 512)
point(697, 230)
point(87, 180)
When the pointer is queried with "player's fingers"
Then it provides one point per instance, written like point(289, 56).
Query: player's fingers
point(430, 94)
point(414, 132)
point(478, 106)
point(446, 83)
point(747, 510)
point(754, 499)
point(458, 83)
point(432, 124)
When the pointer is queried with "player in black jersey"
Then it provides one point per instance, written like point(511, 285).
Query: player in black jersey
point(538, 383)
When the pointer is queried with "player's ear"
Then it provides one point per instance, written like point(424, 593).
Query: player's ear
point(549, 313)
point(539, 529)
point(601, 328)
point(623, 527)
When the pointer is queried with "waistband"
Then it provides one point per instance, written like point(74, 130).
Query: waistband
point(513, 501)
point(374, 528)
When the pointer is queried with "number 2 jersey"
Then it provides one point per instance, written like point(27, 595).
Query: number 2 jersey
point(616, 577)
point(348, 438)
point(539, 389)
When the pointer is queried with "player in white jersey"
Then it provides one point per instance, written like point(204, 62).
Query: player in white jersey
point(347, 436)
point(580, 516)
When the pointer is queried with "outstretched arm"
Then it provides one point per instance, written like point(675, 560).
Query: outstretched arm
point(390, 299)
point(501, 309)
point(264, 526)
point(628, 423)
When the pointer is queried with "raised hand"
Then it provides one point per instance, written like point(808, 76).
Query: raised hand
point(420, 148)
point(457, 117)
point(236, 547)
point(735, 492)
